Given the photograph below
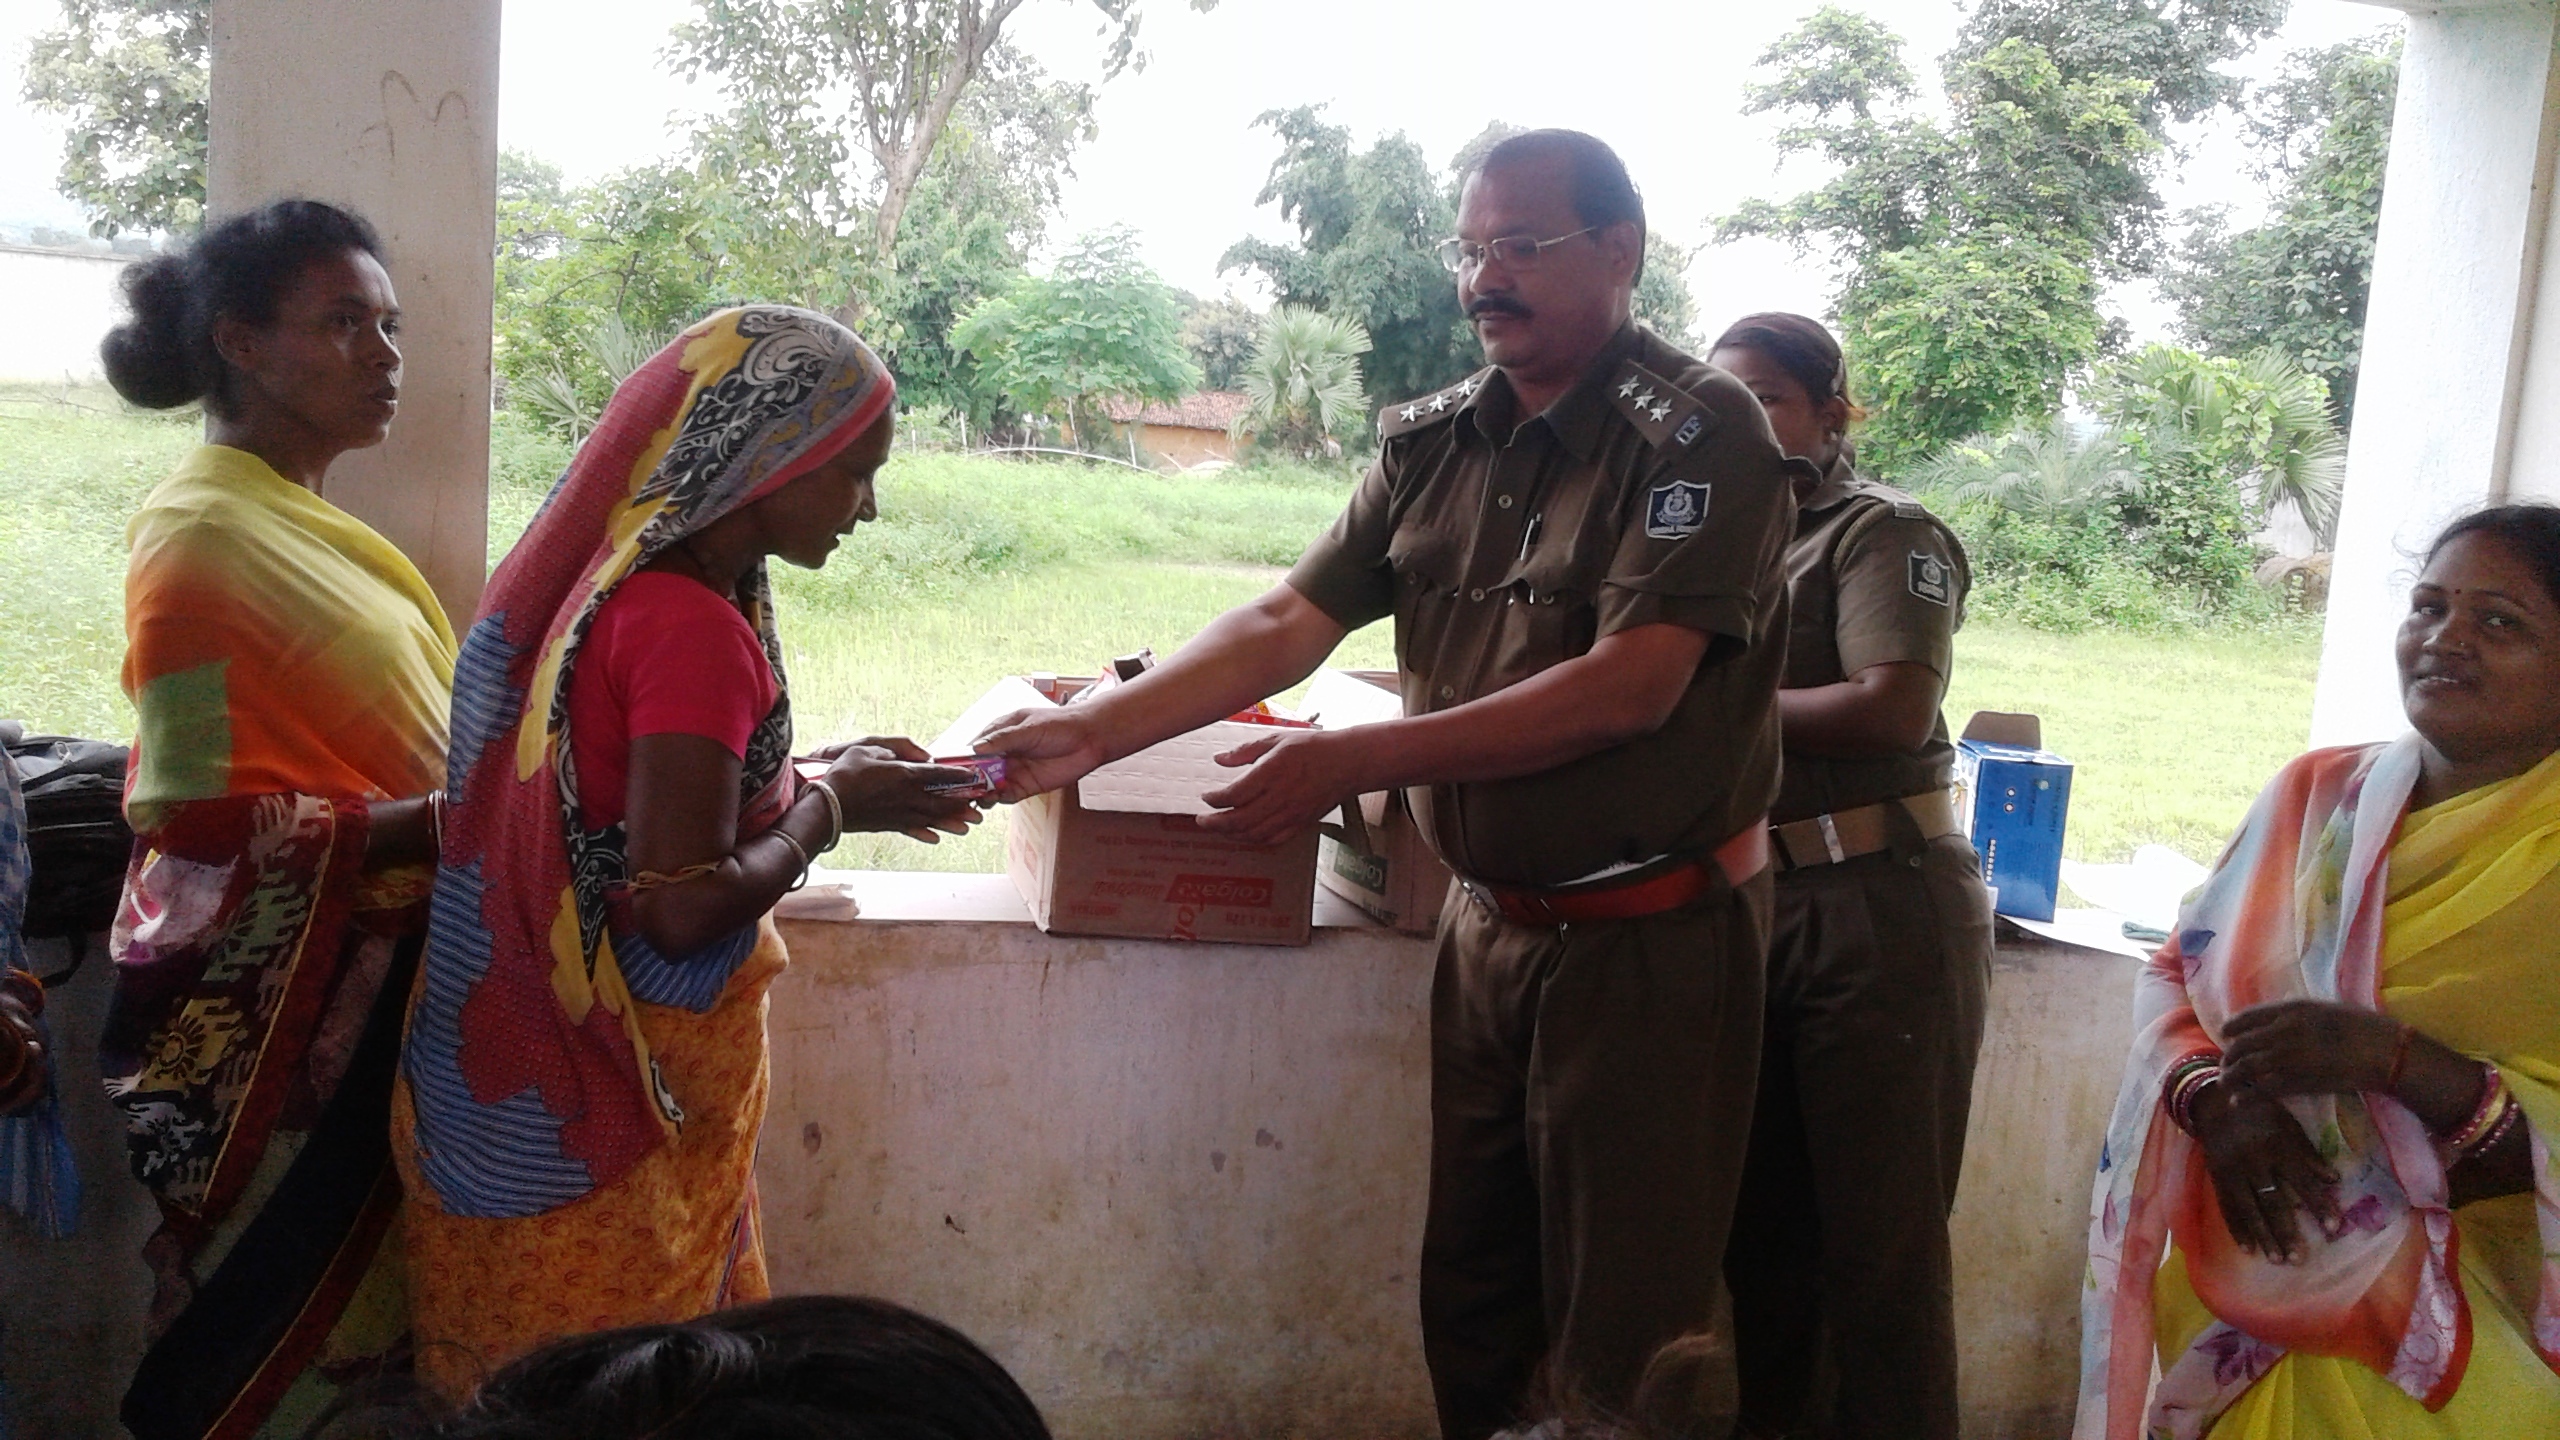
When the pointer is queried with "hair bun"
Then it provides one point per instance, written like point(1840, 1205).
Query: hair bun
point(149, 359)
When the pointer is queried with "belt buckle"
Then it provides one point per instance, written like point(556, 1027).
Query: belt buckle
point(1830, 837)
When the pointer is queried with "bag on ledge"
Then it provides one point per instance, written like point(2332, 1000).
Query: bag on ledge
point(77, 839)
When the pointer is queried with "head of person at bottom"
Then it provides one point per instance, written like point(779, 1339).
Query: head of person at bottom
point(1793, 367)
point(1549, 246)
point(814, 1367)
point(2479, 651)
point(282, 321)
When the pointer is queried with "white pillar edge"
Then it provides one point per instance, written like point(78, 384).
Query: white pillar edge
point(2446, 378)
point(389, 107)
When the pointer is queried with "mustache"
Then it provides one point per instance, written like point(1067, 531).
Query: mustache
point(1497, 305)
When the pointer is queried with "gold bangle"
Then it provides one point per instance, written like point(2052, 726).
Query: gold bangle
point(655, 879)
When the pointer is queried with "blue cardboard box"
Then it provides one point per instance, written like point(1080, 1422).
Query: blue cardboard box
point(2014, 797)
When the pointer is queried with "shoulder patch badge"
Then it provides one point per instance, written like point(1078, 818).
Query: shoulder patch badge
point(1675, 510)
point(1931, 579)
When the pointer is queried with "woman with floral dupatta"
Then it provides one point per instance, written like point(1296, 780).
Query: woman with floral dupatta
point(585, 1069)
point(2326, 1208)
point(290, 673)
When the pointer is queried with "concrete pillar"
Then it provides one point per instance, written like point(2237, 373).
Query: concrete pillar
point(2450, 397)
point(389, 107)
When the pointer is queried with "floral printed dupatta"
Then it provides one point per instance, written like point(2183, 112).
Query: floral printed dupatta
point(529, 1073)
point(2326, 894)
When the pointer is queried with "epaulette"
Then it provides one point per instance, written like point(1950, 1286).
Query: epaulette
point(1407, 416)
point(1667, 416)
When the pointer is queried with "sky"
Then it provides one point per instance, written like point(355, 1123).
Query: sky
point(1178, 159)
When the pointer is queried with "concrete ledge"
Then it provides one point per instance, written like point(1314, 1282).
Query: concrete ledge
point(1179, 1188)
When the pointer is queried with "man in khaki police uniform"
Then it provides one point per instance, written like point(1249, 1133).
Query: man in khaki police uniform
point(1581, 548)
point(1880, 954)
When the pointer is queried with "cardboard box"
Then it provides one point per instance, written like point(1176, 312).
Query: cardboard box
point(1121, 851)
point(2013, 797)
point(1373, 855)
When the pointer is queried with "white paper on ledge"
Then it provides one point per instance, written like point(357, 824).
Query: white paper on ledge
point(2148, 891)
point(2089, 929)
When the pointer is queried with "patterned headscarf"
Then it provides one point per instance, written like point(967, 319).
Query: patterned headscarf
point(531, 1079)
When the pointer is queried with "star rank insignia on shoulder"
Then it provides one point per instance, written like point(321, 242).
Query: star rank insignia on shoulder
point(1410, 415)
point(1662, 412)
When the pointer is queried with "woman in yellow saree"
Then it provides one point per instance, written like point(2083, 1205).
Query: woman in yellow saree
point(290, 672)
point(2326, 1206)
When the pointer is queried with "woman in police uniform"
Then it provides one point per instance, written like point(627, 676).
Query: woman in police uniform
point(1880, 948)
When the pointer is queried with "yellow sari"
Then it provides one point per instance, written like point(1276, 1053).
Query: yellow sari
point(2470, 956)
point(288, 667)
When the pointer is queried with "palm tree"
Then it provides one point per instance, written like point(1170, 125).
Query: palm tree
point(2263, 411)
point(2049, 472)
point(1302, 386)
point(2305, 462)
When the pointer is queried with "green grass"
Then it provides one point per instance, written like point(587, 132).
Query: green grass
point(984, 568)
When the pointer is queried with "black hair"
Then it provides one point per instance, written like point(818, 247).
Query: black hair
point(164, 356)
point(1799, 345)
point(814, 1367)
point(1603, 193)
point(2530, 529)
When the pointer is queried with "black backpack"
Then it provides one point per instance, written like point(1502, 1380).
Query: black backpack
point(77, 839)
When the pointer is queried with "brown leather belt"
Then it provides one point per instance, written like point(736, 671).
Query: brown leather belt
point(1734, 861)
point(1848, 834)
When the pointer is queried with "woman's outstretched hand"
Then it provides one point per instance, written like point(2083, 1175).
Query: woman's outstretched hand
point(2310, 1047)
point(885, 783)
point(2265, 1171)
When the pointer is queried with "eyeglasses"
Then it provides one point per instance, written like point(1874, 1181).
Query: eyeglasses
point(1511, 252)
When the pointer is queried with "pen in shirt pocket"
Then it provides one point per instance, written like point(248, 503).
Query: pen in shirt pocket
point(1529, 538)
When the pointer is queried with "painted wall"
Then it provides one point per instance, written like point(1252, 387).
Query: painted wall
point(1184, 447)
point(2458, 403)
point(60, 305)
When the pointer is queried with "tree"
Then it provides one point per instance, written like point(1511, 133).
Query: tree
point(2003, 219)
point(1302, 387)
point(634, 254)
point(129, 77)
point(1221, 335)
point(1100, 326)
point(1367, 222)
point(2257, 424)
point(810, 80)
point(2299, 282)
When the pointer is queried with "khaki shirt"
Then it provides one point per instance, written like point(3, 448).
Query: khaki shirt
point(1650, 493)
point(1872, 578)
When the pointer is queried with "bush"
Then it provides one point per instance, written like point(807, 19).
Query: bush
point(2070, 573)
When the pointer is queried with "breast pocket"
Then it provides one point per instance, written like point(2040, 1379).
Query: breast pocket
point(1549, 615)
point(1427, 569)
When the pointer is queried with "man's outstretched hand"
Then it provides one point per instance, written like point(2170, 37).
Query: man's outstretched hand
point(1296, 777)
point(1044, 750)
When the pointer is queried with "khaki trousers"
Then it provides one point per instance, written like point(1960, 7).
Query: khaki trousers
point(1879, 972)
point(1590, 1100)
